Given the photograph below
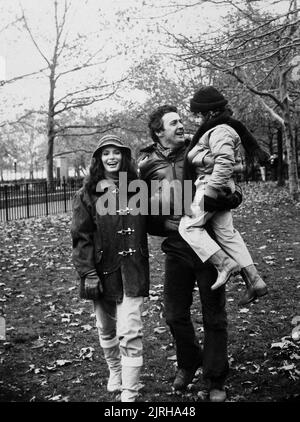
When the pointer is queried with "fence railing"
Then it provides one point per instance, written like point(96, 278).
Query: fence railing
point(36, 199)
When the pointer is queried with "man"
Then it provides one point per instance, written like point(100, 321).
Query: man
point(163, 160)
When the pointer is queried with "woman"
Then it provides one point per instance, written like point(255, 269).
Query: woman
point(110, 254)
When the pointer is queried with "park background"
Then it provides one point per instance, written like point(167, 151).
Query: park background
point(71, 71)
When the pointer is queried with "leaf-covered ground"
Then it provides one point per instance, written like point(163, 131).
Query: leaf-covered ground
point(51, 351)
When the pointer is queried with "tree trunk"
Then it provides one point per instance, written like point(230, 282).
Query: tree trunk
point(297, 144)
point(50, 130)
point(280, 170)
point(50, 158)
point(289, 138)
point(291, 159)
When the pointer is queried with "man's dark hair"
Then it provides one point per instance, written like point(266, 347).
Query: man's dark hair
point(155, 119)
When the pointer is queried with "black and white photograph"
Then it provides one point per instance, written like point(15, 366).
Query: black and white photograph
point(149, 204)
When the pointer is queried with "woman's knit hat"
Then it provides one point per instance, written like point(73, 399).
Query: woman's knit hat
point(207, 98)
point(111, 140)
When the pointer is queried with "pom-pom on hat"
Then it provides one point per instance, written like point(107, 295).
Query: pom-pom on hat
point(111, 140)
point(207, 98)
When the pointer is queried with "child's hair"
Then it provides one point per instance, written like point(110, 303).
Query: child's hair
point(97, 173)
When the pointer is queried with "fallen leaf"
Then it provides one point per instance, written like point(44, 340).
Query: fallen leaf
point(86, 353)
point(288, 367)
point(87, 327)
point(296, 320)
point(31, 368)
point(160, 330)
point(280, 345)
point(255, 370)
point(295, 356)
point(59, 397)
point(173, 357)
point(296, 333)
point(59, 341)
point(38, 343)
point(63, 362)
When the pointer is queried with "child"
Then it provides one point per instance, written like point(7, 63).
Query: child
point(213, 156)
point(110, 254)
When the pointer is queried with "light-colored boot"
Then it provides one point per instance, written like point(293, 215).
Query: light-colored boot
point(225, 266)
point(256, 287)
point(112, 356)
point(131, 370)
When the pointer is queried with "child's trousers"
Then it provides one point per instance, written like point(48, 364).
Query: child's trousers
point(229, 239)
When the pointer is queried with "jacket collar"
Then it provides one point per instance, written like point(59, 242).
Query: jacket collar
point(153, 147)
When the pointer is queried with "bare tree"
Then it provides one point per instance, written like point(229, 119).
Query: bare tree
point(60, 65)
point(257, 49)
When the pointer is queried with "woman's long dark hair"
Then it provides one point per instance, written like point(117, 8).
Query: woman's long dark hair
point(97, 172)
point(223, 116)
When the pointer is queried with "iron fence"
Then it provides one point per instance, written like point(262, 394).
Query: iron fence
point(36, 199)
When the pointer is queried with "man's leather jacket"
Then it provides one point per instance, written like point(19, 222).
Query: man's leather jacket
point(156, 166)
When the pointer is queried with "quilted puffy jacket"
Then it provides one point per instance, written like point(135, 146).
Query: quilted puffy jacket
point(222, 145)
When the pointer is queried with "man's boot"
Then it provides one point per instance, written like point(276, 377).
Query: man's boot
point(256, 287)
point(225, 266)
point(112, 356)
point(131, 370)
point(184, 377)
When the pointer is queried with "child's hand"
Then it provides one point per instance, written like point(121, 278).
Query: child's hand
point(224, 201)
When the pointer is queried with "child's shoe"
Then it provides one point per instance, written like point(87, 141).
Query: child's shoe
point(225, 266)
point(256, 287)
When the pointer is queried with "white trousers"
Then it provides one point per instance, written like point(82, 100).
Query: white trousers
point(191, 228)
point(121, 320)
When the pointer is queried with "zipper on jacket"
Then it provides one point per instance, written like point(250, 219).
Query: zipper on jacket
point(173, 170)
point(166, 159)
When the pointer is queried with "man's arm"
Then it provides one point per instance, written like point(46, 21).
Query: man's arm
point(155, 223)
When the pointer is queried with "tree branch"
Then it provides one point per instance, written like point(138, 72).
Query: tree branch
point(11, 24)
point(33, 40)
point(16, 78)
point(72, 152)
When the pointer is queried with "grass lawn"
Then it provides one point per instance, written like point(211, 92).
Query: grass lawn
point(51, 351)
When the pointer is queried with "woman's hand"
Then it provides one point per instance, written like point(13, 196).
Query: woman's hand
point(93, 288)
